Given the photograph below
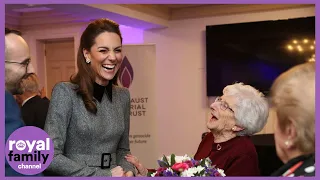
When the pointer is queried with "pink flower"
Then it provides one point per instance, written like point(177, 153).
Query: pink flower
point(180, 167)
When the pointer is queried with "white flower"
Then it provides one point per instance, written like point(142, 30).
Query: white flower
point(221, 171)
point(199, 169)
point(208, 162)
point(153, 174)
point(188, 172)
point(186, 158)
point(191, 171)
point(180, 159)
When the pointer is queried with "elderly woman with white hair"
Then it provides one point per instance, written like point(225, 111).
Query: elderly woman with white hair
point(293, 111)
point(239, 113)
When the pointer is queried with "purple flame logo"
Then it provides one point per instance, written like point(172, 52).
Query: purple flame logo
point(126, 73)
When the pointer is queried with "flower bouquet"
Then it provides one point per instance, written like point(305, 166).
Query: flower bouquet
point(184, 166)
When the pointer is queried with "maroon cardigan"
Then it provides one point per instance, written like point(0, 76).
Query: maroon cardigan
point(237, 157)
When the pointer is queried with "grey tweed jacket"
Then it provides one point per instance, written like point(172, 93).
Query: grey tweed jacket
point(80, 137)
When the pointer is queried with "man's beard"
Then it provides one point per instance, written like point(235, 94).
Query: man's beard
point(14, 83)
point(15, 87)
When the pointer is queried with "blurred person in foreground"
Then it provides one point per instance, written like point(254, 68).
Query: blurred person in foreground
point(17, 65)
point(293, 111)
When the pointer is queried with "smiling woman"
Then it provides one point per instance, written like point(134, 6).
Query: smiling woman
point(88, 118)
point(239, 113)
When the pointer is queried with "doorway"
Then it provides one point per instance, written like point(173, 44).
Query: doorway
point(60, 62)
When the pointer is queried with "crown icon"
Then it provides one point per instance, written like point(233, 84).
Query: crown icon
point(21, 145)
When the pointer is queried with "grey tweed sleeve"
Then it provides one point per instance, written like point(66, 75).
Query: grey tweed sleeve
point(124, 146)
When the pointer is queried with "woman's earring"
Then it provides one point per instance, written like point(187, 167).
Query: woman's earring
point(88, 61)
point(233, 129)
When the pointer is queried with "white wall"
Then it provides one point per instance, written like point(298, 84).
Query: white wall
point(181, 81)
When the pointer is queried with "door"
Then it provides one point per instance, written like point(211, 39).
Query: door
point(60, 62)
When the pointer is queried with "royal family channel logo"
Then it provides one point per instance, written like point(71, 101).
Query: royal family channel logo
point(29, 150)
point(126, 73)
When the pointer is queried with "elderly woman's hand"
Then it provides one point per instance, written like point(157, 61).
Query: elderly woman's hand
point(129, 174)
point(117, 172)
point(142, 171)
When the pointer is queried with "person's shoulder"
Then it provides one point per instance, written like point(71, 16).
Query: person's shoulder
point(64, 90)
point(207, 140)
point(8, 96)
point(122, 91)
point(208, 137)
point(244, 140)
point(10, 102)
point(244, 146)
point(65, 86)
point(308, 166)
point(13, 119)
point(205, 146)
point(45, 101)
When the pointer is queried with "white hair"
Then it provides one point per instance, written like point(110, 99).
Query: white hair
point(251, 108)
